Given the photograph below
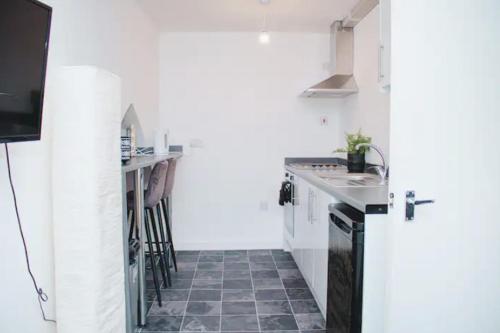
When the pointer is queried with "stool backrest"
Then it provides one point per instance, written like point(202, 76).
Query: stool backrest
point(169, 181)
point(156, 185)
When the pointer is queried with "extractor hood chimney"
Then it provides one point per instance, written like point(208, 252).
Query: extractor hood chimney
point(342, 82)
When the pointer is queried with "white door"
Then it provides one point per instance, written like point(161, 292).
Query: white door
point(444, 267)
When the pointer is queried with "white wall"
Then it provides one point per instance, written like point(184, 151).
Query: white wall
point(369, 109)
point(240, 98)
point(114, 35)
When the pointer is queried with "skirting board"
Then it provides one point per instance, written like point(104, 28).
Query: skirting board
point(190, 246)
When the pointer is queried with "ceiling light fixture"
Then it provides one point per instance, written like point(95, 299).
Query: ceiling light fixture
point(264, 37)
point(265, 2)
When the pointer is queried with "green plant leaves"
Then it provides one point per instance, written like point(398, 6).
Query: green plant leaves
point(354, 139)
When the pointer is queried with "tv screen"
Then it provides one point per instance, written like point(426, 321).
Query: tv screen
point(24, 38)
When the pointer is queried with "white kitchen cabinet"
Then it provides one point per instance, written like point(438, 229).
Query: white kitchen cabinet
point(310, 249)
point(384, 52)
point(321, 237)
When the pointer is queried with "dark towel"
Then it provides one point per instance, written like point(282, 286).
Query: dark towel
point(285, 193)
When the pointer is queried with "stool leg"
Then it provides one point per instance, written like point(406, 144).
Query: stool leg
point(169, 232)
point(165, 246)
point(152, 256)
point(158, 247)
point(131, 223)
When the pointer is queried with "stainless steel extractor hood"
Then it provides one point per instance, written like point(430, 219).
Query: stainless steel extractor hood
point(342, 82)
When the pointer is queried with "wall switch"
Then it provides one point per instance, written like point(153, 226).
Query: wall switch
point(323, 120)
point(264, 206)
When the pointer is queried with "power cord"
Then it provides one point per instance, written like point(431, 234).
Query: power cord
point(42, 296)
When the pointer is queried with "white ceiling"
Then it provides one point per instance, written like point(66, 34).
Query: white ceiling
point(246, 15)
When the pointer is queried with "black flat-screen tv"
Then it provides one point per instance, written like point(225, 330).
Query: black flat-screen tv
point(24, 41)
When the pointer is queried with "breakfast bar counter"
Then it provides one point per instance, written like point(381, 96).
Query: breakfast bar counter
point(137, 165)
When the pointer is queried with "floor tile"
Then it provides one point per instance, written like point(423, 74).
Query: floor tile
point(294, 283)
point(282, 257)
point(181, 284)
point(237, 284)
point(236, 266)
point(314, 331)
point(305, 306)
point(235, 259)
point(259, 252)
point(205, 295)
point(238, 308)
point(167, 309)
point(212, 253)
point(261, 266)
point(239, 323)
point(265, 274)
point(187, 258)
point(208, 275)
point(174, 295)
point(150, 295)
point(273, 307)
point(235, 252)
point(312, 321)
point(277, 251)
point(163, 323)
point(210, 266)
point(210, 258)
point(237, 295)
point(294, 294)
point(277, 323)
point(201, 324)
point(186, 266)
point(203, 309)
point(270, 295)
point(267, 284)
point(286, 264)
point(264, 258)
point(237, 274)
point(183, 274)
point(207, 284)
point(290, 274)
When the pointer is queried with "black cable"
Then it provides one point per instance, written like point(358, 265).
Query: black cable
point(42, 296)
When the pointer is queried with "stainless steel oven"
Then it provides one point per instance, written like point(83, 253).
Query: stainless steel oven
point(345, 269)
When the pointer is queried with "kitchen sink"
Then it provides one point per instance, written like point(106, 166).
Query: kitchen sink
point(351, 179)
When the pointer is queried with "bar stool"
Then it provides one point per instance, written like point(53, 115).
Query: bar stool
point(165, 203)
point(152, 198)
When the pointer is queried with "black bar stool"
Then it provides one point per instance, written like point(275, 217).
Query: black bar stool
point(166, 204)
point(152, 198)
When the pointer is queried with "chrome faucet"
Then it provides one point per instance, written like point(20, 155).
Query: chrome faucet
point(382, 171)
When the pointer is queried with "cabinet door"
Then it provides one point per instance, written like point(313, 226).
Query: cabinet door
point(321, 236)
point(308, 253)
point(384, 78)
point(300, 218)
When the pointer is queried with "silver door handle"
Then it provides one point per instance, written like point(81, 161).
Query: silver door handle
point(411, 203)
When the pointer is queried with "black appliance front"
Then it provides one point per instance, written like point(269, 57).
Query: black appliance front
point(345, 270)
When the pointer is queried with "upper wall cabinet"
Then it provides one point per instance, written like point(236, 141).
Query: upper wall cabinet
point(384, 51)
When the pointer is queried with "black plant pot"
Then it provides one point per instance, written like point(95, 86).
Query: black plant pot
point(355, 162)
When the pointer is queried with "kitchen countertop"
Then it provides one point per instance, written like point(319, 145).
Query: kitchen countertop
point(369, 200)
point(139, 162)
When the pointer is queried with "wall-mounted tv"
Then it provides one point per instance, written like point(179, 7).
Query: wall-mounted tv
point(24, 40)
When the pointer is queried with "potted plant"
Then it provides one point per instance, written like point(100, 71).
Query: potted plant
point(355, 157)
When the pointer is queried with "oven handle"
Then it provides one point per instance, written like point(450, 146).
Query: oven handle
point(340, 224)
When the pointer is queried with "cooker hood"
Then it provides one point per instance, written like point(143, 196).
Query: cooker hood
point(342, 82)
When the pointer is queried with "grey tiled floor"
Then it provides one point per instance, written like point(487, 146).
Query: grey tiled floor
point(235, 291)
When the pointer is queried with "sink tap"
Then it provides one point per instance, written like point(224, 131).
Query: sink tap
point(382, 171)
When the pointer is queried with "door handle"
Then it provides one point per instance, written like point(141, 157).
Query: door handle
point(411, 203)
